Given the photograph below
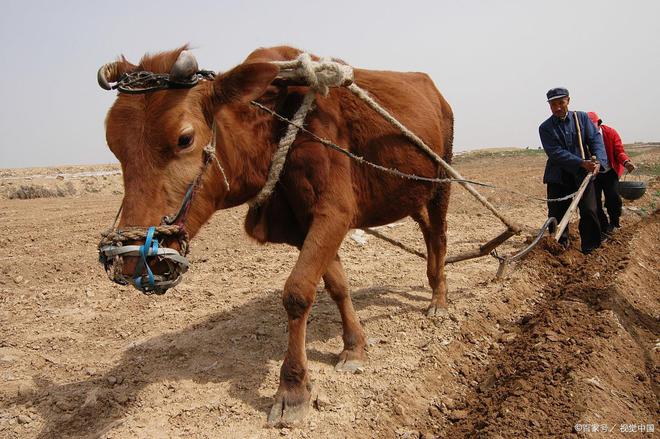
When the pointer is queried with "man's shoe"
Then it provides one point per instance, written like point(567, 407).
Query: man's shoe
point(566, 243)
point(588, 251)
point(610, 229)
point(606, 229)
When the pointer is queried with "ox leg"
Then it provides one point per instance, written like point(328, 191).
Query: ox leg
point(433, 222)
point(353, 356)
point(292, 400)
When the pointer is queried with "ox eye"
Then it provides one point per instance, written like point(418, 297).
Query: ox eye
point(185, 140)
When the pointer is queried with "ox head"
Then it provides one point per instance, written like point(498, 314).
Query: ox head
point(171, 129)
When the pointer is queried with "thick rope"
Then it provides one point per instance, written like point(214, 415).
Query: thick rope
point(398, 173)
point(279, 158)
point(136, 233)
point(320, 75)
point(362, 94)
point(325, 73)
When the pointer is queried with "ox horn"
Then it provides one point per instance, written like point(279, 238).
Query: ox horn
point(184, 67)
point(108, 73)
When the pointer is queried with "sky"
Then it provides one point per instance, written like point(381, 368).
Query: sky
point(492, 60)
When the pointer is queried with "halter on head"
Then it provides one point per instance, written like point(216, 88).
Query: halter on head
point(184, 74)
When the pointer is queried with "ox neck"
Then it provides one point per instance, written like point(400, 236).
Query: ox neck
point(248, 160)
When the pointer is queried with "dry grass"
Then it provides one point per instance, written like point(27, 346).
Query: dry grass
point(28, 192)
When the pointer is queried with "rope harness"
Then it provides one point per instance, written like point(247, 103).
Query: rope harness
point(396, 172)
point(319, 76)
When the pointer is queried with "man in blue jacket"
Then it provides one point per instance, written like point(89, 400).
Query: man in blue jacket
point(567, 165)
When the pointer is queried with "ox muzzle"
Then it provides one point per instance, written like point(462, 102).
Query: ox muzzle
point(155, 267)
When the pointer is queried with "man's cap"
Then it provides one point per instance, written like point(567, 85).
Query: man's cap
point(556, 93)
point(594, 118)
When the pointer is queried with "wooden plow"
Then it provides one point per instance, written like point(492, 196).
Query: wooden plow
point(320, 75)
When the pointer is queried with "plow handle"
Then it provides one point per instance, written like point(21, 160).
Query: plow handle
point(567, 216)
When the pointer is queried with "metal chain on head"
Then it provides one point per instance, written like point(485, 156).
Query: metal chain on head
point(143, 81)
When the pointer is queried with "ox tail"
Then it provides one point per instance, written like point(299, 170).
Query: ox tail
point(441, 192)
point(449, 140)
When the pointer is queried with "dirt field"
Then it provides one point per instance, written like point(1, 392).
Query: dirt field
point(563, 346)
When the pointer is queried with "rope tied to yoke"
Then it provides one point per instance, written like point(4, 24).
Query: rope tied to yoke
point(320, 75)
point(325, 73)
point(398, 173)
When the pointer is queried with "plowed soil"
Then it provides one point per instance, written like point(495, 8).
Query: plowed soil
point(564, 345)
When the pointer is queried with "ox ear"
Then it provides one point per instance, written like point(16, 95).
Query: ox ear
point(246, 82)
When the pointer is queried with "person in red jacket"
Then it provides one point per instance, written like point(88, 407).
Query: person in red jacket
point(607, 179)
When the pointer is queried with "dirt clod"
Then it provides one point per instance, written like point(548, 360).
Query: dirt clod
point(24, 419)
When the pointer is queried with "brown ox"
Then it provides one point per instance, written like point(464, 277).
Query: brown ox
point(158, 137)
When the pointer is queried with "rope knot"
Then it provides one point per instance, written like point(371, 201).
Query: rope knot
point(323, 74)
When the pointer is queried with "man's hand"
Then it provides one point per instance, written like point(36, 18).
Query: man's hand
point(590, 166)
point(630, 166)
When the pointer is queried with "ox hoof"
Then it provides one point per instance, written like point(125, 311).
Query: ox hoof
point(437, 311)
point(351, 361)
point(290, 407)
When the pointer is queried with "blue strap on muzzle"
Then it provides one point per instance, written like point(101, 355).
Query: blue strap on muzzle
point(149, 248)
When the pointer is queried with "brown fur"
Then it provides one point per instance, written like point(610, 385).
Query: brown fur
point(321, 194)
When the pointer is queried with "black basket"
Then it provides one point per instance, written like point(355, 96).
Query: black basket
point(631, 190)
